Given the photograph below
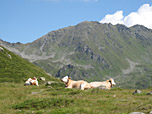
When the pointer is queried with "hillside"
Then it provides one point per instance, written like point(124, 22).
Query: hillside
point(16, 69)
point(94, 51)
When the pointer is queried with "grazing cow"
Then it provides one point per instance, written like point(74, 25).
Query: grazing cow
point(103, 85)
point(80, 84)
point(32, 81)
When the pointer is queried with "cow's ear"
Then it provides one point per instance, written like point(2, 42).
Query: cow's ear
point(69, 77)
point(110, 79)
point(107, 80)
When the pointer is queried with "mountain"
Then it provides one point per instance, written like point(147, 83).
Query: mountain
point(16, 69)
point(93, 51)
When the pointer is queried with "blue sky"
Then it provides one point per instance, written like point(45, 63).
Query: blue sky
point(27, 20)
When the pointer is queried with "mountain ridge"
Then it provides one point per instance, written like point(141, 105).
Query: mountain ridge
point(93, 51)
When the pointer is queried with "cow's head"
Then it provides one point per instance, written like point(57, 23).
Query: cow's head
point(34, 78)
point(65, 79)
point(112, 81)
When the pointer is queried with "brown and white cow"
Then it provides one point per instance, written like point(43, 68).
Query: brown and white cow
point(108, 84)
point(80, 84)
point(32, 81)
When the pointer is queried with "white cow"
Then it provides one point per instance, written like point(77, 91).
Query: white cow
point(80, 84)
point(108, 84)
point(32, 81)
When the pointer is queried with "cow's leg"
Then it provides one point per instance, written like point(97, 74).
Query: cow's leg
point(69, 87)
point(88, 86)
point(82, 86)
point(37, 83)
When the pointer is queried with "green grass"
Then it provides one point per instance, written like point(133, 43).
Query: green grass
point(18, 99)
point(17, 69)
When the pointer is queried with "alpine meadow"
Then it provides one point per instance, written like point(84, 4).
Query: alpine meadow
point(89, 51)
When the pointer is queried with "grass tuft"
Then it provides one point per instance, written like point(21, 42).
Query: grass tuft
point(38, 104)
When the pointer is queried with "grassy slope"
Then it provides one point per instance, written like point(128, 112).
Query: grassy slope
point(17, 69)
point(19, 99)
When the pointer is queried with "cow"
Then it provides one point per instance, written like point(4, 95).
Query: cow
point(108, 84)
point(32, 81)
point(80, 84)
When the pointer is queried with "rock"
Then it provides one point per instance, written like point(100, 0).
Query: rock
point(1, 49)
point(9, 56)
point(42, 78)
point(114, 95)
point(136, 113)
point(150, 93)
point(49, 86)
point(49, 83)
point(137, 91)
point(35, 93)
point(19, 110)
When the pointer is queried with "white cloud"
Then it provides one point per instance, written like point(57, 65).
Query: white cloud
point(143, 16)
point(114, 19)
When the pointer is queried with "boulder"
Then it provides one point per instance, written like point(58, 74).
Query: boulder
point(150, 93)
point(136, 113)
point(35, 93)
point(9, 56)
point(42, 78)
point(49, 83)
point(137, 91)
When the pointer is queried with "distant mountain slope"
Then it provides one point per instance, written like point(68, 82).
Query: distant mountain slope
point(16, 69)
point(94, 51)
